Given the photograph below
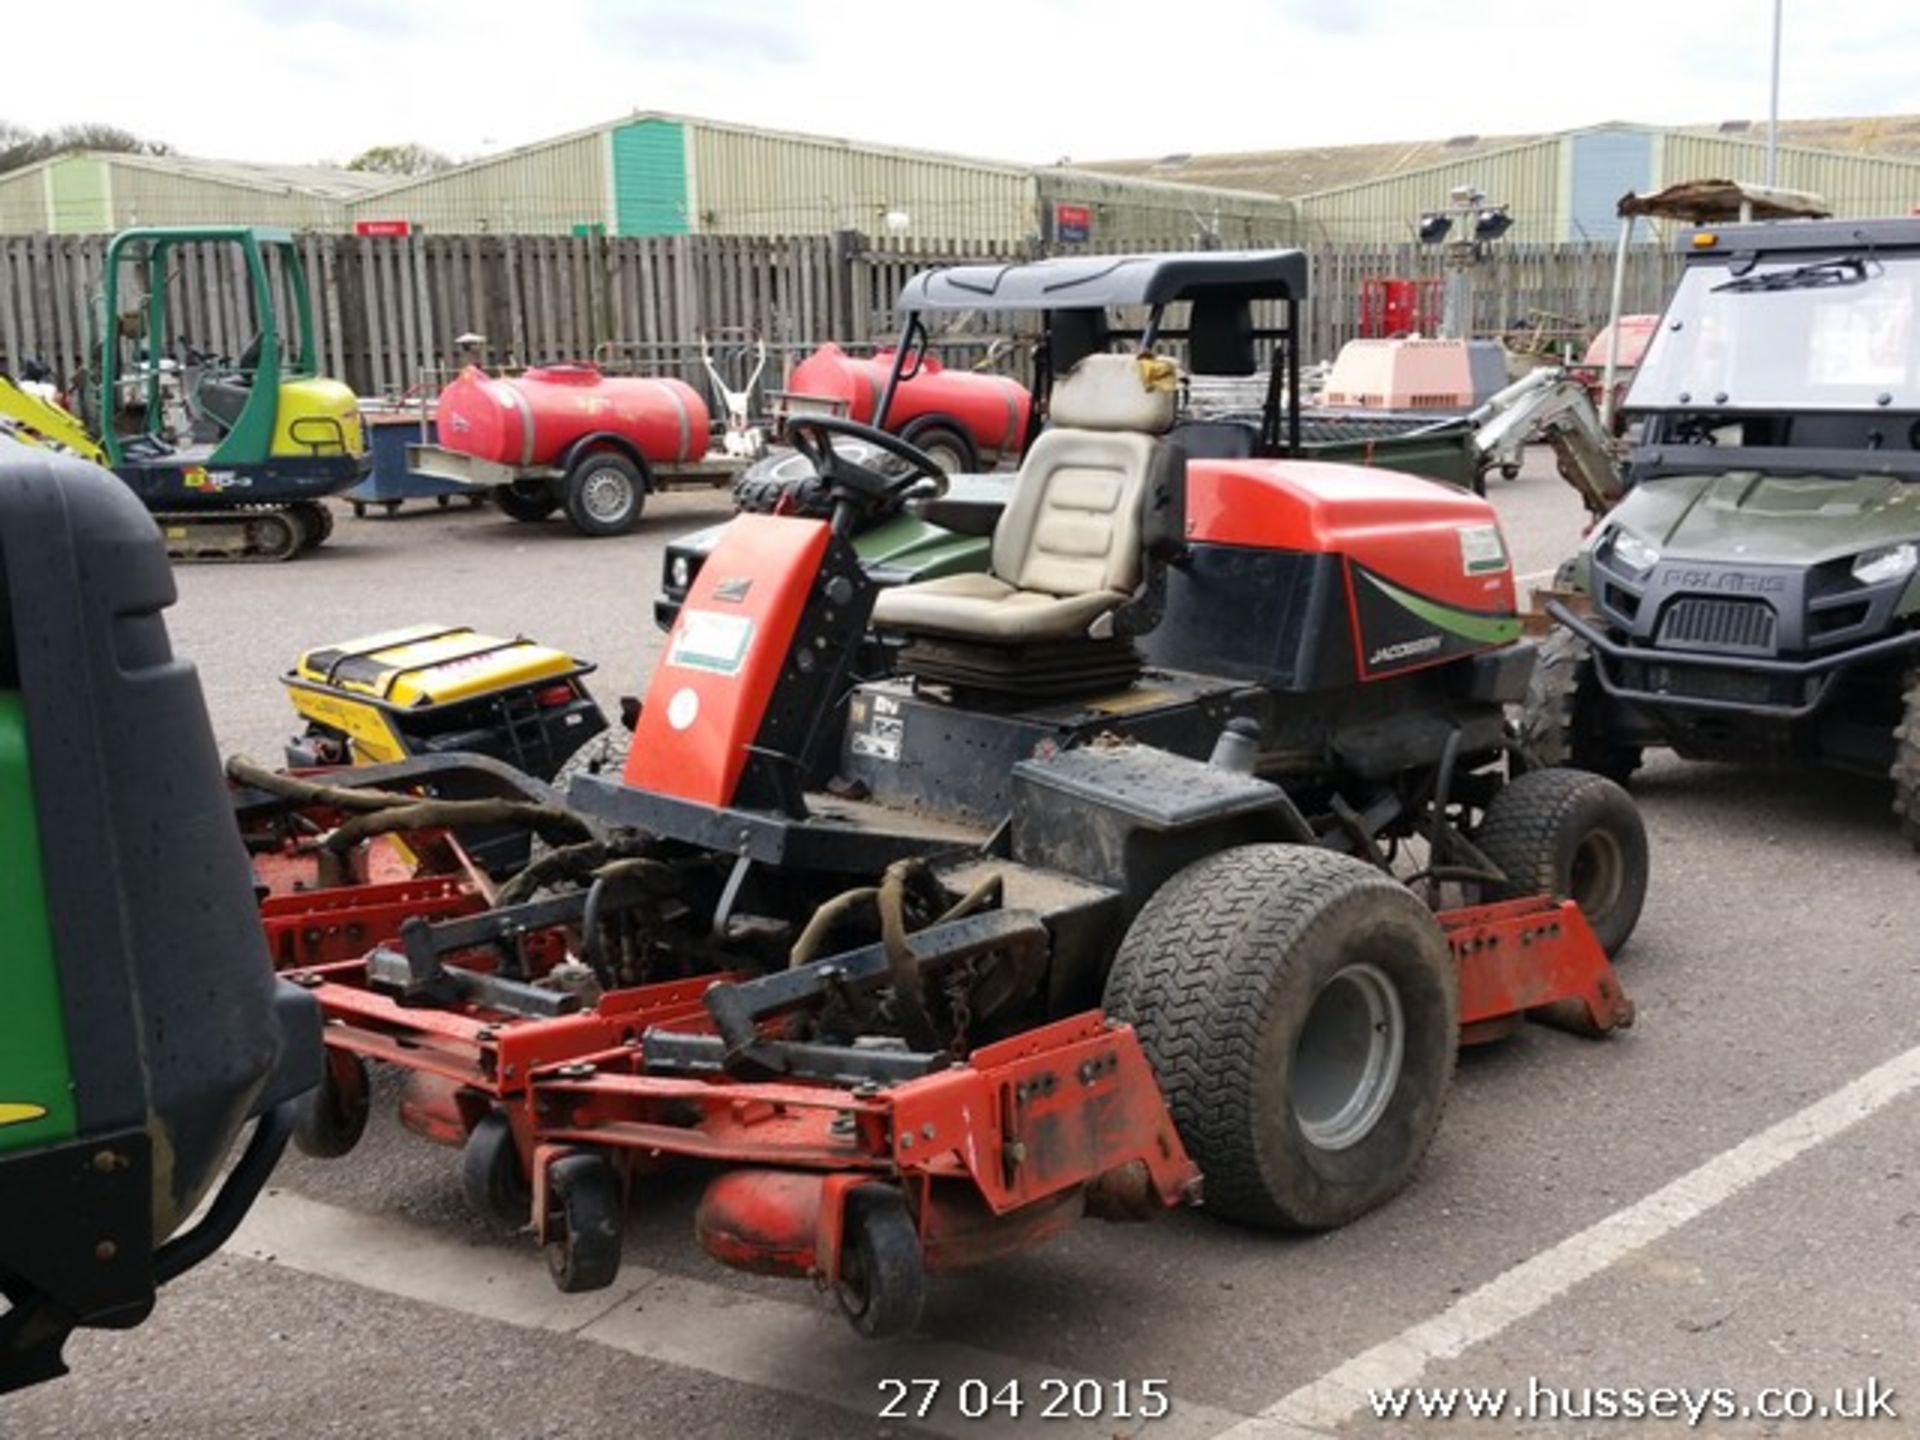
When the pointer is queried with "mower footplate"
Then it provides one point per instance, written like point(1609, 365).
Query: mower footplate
point(1532, 958)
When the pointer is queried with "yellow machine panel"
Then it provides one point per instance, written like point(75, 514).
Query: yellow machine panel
point(431, 665)
point(317, 416)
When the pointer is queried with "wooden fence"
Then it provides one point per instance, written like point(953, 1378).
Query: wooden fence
point(389, 310)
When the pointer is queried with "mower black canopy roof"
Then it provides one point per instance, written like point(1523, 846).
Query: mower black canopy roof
point(1085, 282)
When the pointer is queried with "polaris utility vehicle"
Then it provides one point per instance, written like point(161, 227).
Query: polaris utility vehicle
point(1139, 882)
point(1754, 597)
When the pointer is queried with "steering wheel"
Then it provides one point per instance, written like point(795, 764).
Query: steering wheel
point(812, 436)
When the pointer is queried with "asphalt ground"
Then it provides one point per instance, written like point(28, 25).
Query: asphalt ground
point(1725, 1196)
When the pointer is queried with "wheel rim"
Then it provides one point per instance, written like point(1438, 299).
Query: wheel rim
point(1347, 1062)
point(947, 457)
point(1598, 873)
point(606, 495)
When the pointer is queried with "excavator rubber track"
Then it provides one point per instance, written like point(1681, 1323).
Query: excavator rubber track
point(247, 535)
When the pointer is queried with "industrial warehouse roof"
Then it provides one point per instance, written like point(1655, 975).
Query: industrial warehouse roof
point(328, 181)
point(391, 185)
point(1330, 167)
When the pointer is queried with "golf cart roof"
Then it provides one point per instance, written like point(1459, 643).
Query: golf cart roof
point(1717, 202)
point(1086, 282)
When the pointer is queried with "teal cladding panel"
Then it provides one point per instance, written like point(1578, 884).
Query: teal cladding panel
point(650, 178)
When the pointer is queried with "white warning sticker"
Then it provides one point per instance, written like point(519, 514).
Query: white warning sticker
point(711, 640)
point(1481, 549)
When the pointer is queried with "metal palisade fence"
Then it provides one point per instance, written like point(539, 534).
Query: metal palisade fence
point(390, 309)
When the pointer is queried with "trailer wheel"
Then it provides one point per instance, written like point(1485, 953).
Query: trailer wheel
point(604, 493)
point(587, 1208)
point(1301, 1012)
point(947, 445)
point(490, 1172)
point(1906, 763)
point(883, 1280)
point(1574, 835)
point(528, 501)
point(1563, 720)
point(330, 1118)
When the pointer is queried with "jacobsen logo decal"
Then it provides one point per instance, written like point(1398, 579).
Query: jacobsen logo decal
point(1405, 650)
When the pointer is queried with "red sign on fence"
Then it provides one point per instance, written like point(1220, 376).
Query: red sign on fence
point(383, 227)
point(1072, 223)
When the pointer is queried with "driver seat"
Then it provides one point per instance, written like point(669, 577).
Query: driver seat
point(1099, 491)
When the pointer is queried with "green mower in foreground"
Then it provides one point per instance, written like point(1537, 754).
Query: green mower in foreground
point(141, 1025)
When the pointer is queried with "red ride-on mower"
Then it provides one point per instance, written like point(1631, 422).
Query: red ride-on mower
point(1186, 845)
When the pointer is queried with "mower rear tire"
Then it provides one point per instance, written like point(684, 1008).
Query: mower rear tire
point(949, 447)
point(1301, 1012)
point(1563, 720)
point(528, 501)
point(604, 494)
point(490, 1172)
point(586, 1209)
point(329, 1119)
point(1573, 835)
point(882, 1284)
point(1906, 762)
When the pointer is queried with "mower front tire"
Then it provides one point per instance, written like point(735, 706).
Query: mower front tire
point(1575, 836)
point(330, 1118)
point(1301, 1012)
point(528, 501)
point(882, 1283)
point(604, 494)
point(490, 1172)
point(586, 1210)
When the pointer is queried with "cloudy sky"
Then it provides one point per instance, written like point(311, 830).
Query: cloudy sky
point(1032, 80)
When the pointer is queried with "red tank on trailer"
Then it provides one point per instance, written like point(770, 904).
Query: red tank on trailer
point(531, 419)
point(991, 410)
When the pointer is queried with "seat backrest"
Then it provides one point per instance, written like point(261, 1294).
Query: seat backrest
point(1094, 483)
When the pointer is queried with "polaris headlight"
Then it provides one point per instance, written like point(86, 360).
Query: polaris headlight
point(679, 573)
point(1887, 562)
point(1636, 554)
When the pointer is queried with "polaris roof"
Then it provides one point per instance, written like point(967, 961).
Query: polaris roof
point(1100, 281)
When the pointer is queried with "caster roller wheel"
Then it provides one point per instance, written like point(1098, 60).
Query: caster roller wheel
point(445, 502)
point(883, 1279)
point(332, 1116)
point(586, 1210)
point(359, 510)
point(490, 1172)
point(392, 507)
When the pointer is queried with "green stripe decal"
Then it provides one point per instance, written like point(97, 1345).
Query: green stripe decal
point(36, 1085)
point(1474, 625)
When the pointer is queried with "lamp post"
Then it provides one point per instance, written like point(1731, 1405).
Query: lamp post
point(1472, 222)
point(1773, 104)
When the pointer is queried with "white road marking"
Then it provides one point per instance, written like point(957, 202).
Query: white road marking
point(798, 1347)
point(1318, 1408)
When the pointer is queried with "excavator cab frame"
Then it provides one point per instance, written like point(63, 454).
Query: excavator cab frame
point(248, 435)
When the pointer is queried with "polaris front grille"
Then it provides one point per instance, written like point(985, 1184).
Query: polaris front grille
point(1744, 627)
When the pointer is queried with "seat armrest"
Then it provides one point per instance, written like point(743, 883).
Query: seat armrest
point(962, 516)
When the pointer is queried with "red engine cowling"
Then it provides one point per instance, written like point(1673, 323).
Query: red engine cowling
point(1424, 567)
point(531, 419)
point(991, 409)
